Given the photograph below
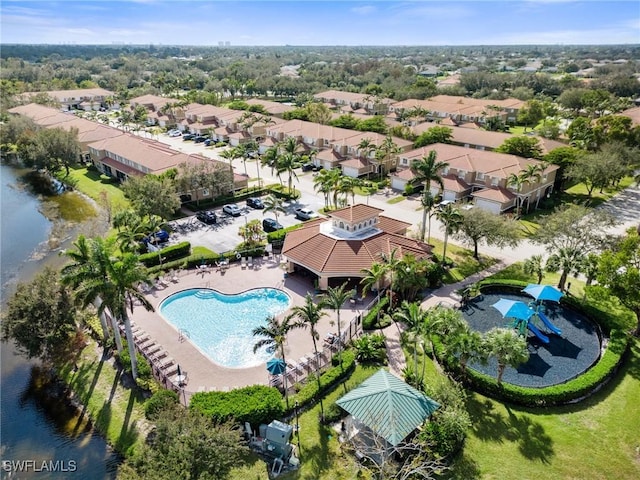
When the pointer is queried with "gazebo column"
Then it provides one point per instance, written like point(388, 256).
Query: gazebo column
point(323, 282)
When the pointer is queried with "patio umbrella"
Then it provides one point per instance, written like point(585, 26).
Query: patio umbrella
point(276, 366)
point(543, 292)
point(513, 309)
point(179, 372)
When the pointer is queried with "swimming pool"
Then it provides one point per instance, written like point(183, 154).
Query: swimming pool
point(220, 325)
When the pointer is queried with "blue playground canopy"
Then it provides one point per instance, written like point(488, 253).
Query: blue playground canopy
point(513, 309)
point(543, 292)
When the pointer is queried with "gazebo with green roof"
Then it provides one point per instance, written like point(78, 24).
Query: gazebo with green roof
point(387, 406)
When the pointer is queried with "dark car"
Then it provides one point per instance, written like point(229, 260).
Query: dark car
point(270, 225)
point(307, 167)
point(255, 202)
point(200, 139)
point(188, 136)
point(208, 142)
point(207, 216)
point(160, 236)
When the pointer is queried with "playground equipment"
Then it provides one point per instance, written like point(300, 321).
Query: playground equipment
point(541, 293)
point(522, 313)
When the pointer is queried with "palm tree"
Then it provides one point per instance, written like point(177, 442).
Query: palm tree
point(466, 344)
point(87, 270)
point(516, 181)
point(334, 298)
point(372, 280)
point(365, 147)
point(509, 348)
point(124, 276)
point(273, 204)
point(347, 185)
point(391, 264)
point(286, 163)
point(386, 151)
point(270, 158)
point(327, 182)
point(533, 174)
point(274, 335)
point(230, 154)
point(451, 219)
point(414, 317)
point(427, 170)
point(309, 315)
point(534, 266)
point(244, 150)
point(566, 260)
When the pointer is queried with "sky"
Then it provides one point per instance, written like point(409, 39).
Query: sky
point(308, 22)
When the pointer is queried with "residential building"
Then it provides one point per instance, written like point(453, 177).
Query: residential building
point(77, 99)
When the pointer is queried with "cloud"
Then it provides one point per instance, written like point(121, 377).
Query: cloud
point(364, 10)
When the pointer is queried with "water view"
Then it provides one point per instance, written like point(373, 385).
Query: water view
point(33, 428)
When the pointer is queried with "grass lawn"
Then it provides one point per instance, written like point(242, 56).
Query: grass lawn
point(465, 264)
point(578, 193)
point(92, 183)
point(596, 439)
point(396, 199)
point(116, 411)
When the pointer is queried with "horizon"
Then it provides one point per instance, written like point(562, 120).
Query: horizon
point(353, 23)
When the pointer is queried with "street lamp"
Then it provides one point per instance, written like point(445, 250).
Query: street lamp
point(297, 426)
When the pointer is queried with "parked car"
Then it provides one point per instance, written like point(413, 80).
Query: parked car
point(271, 225)
point(255, 202)
point(200, 139)
point(307, 167)
point(160, 236)
point(207, 216)
point(208, 142)
point(232, 209)
point(174, 133)
point(188, 136)
point(305, 213)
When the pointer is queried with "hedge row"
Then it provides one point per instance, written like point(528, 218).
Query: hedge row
point(328, 380)
point(574, 389)
point(168, 254)
point(256, 404)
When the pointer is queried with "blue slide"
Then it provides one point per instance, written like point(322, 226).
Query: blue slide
point(548, 324)
point(537, 332)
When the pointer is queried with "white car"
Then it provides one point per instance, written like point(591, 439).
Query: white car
point(305, 213)
point(174, 133)
point(232, 209)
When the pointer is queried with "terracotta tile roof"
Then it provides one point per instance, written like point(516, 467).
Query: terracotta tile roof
point(634, 114)
point(452, 105)
point(455, 184)
point(357, 162)
point(310, 247)
point(497, 194)
point(151, 101)
point(405, 174)
point(329, 155)
point(356, 213)
point(392, 225)
point(64, 95)
point(273, 108)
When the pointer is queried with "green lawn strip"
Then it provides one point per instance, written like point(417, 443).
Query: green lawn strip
point(578, 193)
point(596, 438)
point(115, 411)
point(397, 199)
point(320, 453)
point(92, 183)
point(464, 263)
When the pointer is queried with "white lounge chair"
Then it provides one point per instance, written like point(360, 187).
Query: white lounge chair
point(250, 262)
point(243, 262)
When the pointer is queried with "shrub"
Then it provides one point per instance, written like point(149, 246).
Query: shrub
point(256, 404)
point(92, 322)
point(170, 253)
point(369, 322)
point(370, 348)
point(159, 402)
point(328, 380)
point(333, 413)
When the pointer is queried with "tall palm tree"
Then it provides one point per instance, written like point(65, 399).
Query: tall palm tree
point(274, 335)
point(385, 153)
point(516, 181)
point(365, 147)
point(270, 158)
point(414, 317)
point(451, 219)
point(509, 349)
point(87, 270)
point(566, 260)
point(465, 344)
point(244, 150)
point(372, 280)
point(533, 174)
point(347, 186)
point(334, 298)
point(391, 262)
point(273, 204)
point(124, 276)
point(286, 163)
point(427, 170)
point(327, 182)
point(230, 154)
point(309, 315)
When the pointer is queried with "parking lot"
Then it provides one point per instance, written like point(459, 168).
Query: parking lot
point(223, 236)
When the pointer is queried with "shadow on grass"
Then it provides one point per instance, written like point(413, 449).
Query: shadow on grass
point(80, 379)
point(319, 456)
point(128, 432)
point(489, 424)
point(463, 468)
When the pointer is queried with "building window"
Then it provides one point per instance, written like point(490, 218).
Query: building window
point(480, 176)
point(494, 181)
point(341, 224)
point(445, 171)
point(205, 192)
point(461, 174)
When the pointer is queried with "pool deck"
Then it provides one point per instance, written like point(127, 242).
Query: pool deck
point(202, 372)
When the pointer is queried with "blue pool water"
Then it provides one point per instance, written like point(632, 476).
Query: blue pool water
point(220, 325)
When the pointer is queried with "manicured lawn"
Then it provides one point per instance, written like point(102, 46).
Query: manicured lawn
point(397, 199)
point(116, 411)
point(92, 183)
point(578, 193)
point(465, 264)
point(597, 438)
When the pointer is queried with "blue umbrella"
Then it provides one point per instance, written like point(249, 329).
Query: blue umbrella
point(513, 309)
point(276, 366)
point(543, 292)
